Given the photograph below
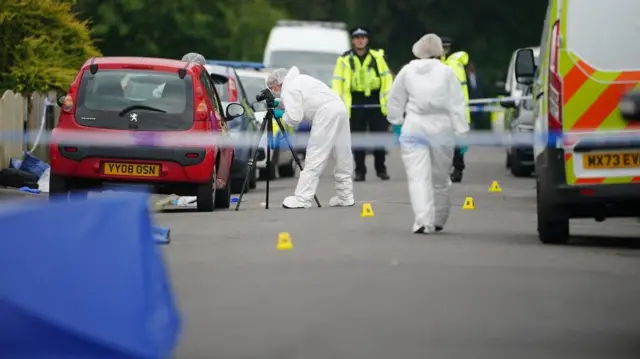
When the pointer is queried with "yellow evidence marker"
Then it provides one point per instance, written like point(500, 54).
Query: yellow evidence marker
point(468, 203)
point(367, 210)
point(495, 187)
point(284, 242)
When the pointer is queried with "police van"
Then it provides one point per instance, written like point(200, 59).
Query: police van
point(587, 155)
point(312, 46)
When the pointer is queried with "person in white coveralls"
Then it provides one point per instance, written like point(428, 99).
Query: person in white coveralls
point(306, 98)
point(427, 100)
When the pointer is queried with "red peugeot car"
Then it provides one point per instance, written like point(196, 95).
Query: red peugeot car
point(146, 99)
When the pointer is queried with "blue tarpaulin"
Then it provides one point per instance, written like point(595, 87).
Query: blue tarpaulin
point(86, 280)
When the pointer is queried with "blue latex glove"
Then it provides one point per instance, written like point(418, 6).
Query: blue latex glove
point(463, 149)
point(278, 113)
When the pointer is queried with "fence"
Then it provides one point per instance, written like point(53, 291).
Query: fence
point(18, 114)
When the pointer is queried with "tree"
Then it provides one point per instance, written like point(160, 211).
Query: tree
point(42, 45)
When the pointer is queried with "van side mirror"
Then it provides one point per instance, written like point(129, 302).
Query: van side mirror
point(525, 66)
point(629, 106)
point(60, 100)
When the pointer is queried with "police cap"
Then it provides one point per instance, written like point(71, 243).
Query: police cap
point(359, 31)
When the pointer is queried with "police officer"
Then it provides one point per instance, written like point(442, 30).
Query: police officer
point(363, 80)
point(457, 62)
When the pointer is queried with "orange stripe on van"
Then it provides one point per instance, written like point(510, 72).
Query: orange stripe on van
point(606, 103)
point(596, 180)
point(635, 180)
point(568, 156)
point(575, 78)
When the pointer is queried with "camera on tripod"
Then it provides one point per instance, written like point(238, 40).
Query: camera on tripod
point(267, 96)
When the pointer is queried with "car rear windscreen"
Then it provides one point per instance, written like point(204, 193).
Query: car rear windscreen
point(135, 100)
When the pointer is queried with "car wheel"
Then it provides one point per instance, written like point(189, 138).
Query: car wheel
point(237, 186)
point(508, 161)
point(253, 180)
point(206, 193)
point(518, 170)
point(58, 188)
point(272, 173)
point(553, 226)
point(223, 197)
point(288, 170)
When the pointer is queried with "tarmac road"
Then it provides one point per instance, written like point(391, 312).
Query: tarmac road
point(357, 287)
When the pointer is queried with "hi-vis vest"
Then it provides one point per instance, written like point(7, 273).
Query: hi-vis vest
point(373, 74)
point(457, 61)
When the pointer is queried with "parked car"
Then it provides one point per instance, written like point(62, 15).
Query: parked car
point(231, 90)
point(253, 76)
point(146, 98)
point(587, 161)
point(518, 120)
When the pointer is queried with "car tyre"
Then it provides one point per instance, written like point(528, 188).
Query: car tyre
point(272, 173)
point(288, 170)
point(553, 226)
point(206, 193)
point(508, 160)
point(223, 197)
point(253, 180)
point(58, 188)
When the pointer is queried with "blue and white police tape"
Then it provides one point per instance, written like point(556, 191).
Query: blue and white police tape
point(475, 105)
point(69, 141)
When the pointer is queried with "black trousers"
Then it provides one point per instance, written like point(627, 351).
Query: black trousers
point(372, 120)
point(458, 159)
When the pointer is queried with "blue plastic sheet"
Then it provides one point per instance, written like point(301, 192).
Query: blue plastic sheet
point(86, 281)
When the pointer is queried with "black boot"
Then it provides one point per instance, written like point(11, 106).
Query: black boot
point(456, 176)
point(383, 176)
point(359, 177)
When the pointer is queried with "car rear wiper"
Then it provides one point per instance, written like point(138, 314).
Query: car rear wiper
point(139, 107)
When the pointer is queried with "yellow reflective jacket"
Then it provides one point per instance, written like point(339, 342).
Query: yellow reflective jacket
point(457, 61)
point(373, 74)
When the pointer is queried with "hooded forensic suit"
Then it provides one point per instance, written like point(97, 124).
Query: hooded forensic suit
point(427, 100)
point(305, 97)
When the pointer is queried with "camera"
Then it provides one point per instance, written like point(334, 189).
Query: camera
point(266, 95)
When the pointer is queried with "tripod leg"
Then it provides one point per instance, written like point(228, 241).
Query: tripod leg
point(252, 166)
point(293, 152)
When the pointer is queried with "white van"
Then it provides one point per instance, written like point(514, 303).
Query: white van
point(312, 46)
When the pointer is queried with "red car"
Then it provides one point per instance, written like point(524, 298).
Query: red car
point(146, 99)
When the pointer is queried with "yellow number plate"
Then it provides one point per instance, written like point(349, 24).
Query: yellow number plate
point(131, 169)
point(611, 160)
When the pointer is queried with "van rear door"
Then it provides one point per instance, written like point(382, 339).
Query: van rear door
point(598, 61)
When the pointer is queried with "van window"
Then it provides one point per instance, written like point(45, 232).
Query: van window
point(135, 99)
point(603, 33)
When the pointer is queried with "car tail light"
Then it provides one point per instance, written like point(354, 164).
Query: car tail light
point(68, 104)
point(192, 155)
point(201, 111)
point(233, 90)
point(554, 106)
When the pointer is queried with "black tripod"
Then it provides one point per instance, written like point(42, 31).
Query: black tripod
point(266, 125)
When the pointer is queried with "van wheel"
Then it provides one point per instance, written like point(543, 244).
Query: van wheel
point(553, 226)
point(58, 188)
point(518, 170)
point(508, 161)
point(288, 170)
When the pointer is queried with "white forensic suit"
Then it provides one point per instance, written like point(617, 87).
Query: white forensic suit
point(305, 97)
point(427, 100)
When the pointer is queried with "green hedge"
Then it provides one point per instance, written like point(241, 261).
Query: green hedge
point(42, 45)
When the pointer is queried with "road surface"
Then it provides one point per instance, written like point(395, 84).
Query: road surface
point(357, 287)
